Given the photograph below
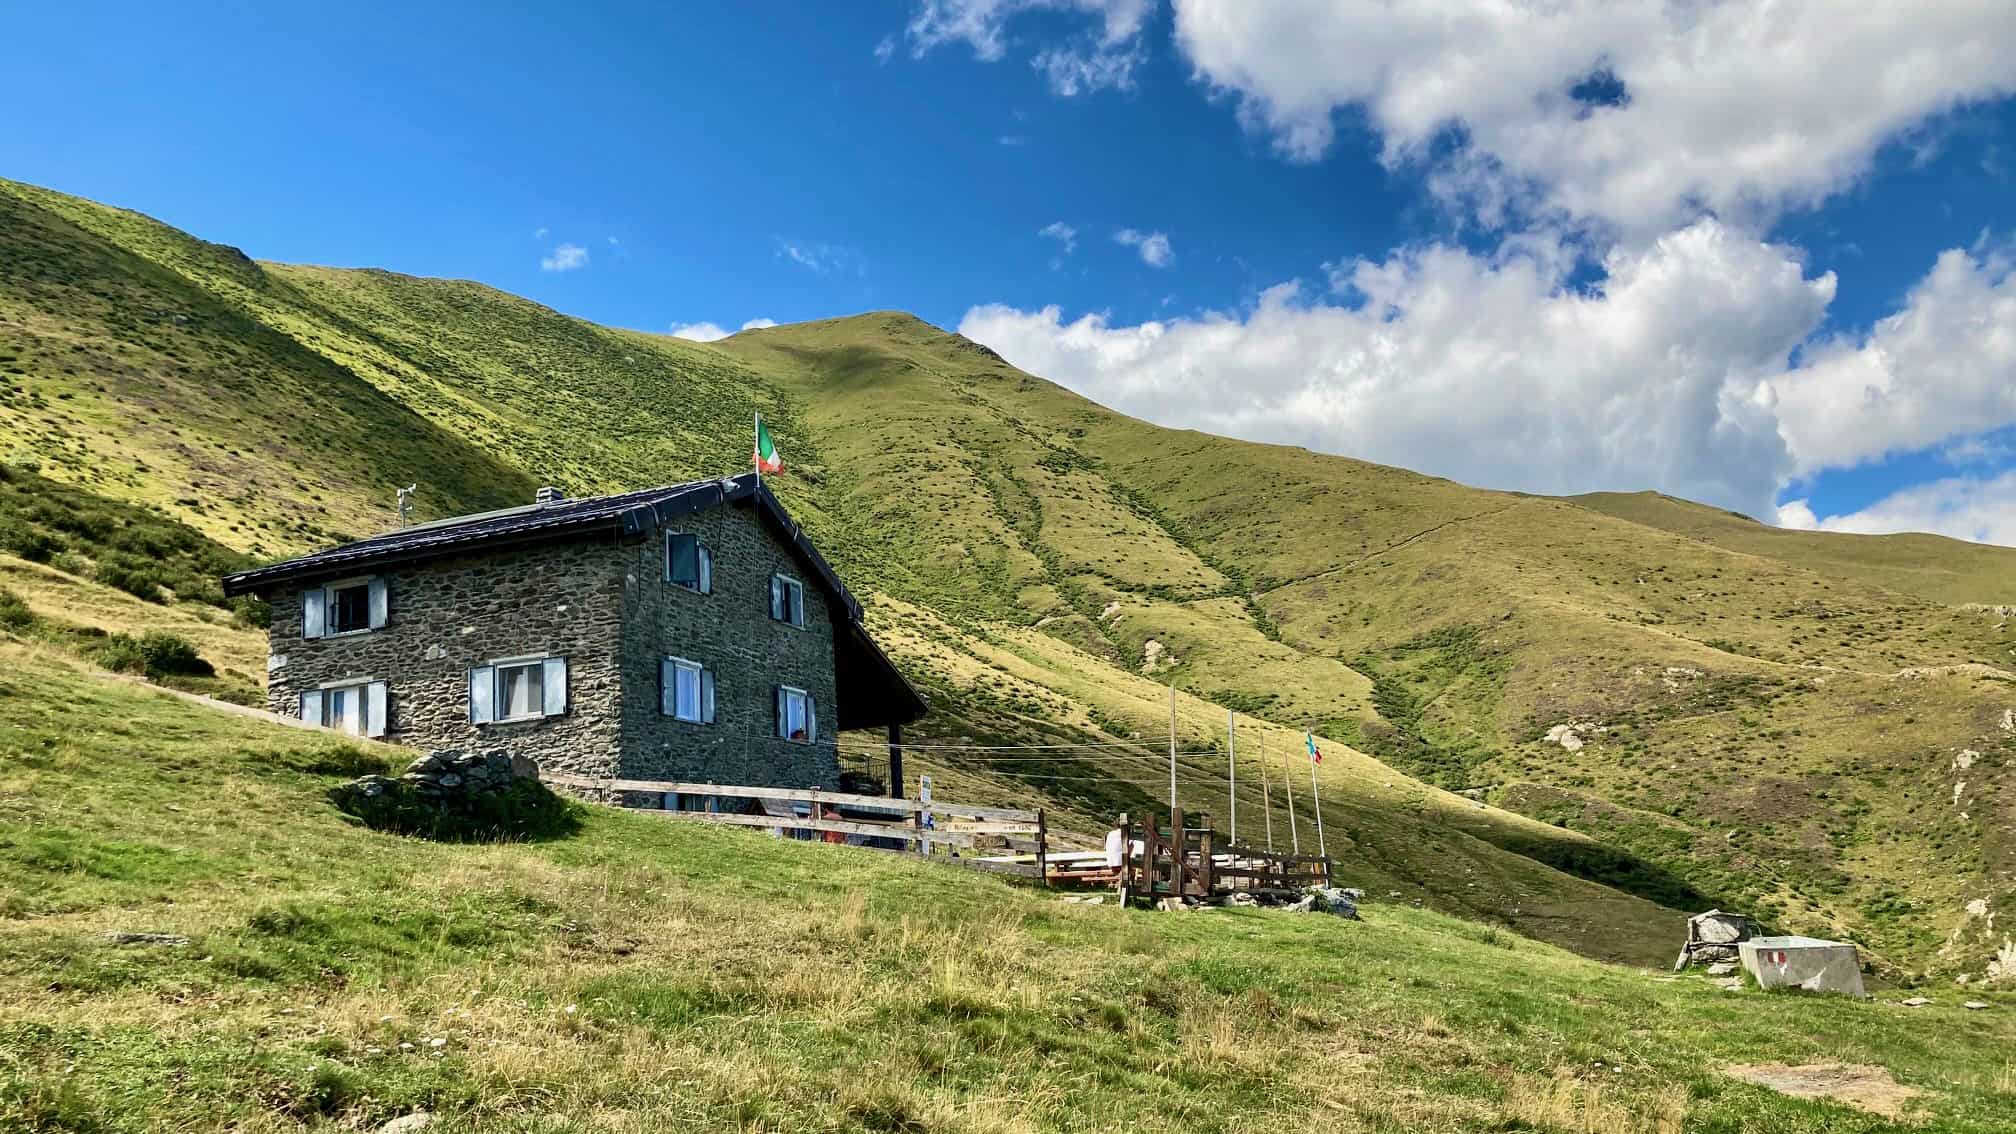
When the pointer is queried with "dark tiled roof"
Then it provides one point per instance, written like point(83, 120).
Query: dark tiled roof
point(860, 661)
point(632, 512)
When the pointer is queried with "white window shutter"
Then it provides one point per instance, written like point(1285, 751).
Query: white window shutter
point(668, 688)
point(706, 696)
point(482, 694)
point(783, 719)
point(706, 570)
point(811, 718)
point(665, 558)
point(798, 606)
point(311, 613)
point(311, 706)
point(380, 603)
point(374, 709)
point(555, 686)
point(776, 598)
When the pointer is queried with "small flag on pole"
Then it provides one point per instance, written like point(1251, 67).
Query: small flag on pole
point(1315, 753)
point(766, 456)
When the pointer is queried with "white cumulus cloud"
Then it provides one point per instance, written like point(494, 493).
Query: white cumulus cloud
point(1487, 369)
point(565, 258)
point(1942, 367)
point(705, 332)
point(1637, 113)
point(983, 24)
point(1691, 367)
point(1153, 246)
point(1102, 57)
point(1063, 234)
point(1981, 509)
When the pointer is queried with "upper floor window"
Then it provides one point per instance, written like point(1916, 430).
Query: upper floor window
point(356, 707)
point(350, 606)
point(688, 562)
point(797, 718)
point(787, 600)
point(686, 690)
point(517, 689)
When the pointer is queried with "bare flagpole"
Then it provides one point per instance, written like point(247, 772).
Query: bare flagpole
point(1317, 801)
point(1266, 794)
point(1288, 781)
point(1231, 775)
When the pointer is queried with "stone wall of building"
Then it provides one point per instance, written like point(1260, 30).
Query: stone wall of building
point(731, 632)
point(447, 616)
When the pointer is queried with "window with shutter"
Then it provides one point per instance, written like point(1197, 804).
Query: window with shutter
point(787, 600)
point(794, 715)
point(518, 689)
point(688, 691)
point(354, 707)
point(687, 562)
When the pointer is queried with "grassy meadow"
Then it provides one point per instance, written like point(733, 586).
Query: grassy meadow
point(642, 974)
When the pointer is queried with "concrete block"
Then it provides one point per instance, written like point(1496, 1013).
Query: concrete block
point(1803, 962)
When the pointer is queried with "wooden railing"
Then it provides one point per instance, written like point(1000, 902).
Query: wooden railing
point(910, 823)
point(1178, 861)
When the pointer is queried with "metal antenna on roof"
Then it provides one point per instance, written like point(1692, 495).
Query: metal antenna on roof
point(406, 504)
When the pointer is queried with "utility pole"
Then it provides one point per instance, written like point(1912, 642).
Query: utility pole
point(1288, 781)
point(1266, 794)
point(1172, 752)
point(1231, 775)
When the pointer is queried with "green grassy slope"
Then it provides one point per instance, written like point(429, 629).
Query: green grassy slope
point(1803, 734)
point(644, 974)
point(1941, 569)
point(1773, 731)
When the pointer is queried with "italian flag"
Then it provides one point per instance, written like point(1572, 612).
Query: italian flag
point(1315, 753)
point(766, 456)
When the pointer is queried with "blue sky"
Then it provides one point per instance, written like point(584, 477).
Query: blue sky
point(1345, 231)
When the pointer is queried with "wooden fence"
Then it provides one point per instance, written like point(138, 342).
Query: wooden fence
point(1178, 861)
point(964, 830)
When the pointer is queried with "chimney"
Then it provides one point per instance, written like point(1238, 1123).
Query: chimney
point(549, 495)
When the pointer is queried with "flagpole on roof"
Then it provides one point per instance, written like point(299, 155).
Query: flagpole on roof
point(756, 451)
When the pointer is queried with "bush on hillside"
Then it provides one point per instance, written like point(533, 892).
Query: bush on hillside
point(155, 654)
point(253, 611)
point(137, 549)
point(27, 542)
point(120, 653)
point(141, 580)
point(14, 613)
point(171, 654)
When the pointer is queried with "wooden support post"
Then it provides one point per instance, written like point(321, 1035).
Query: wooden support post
point(1178, 845)
point(1204, 849)
point(1042, 849)
point(896, 761)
